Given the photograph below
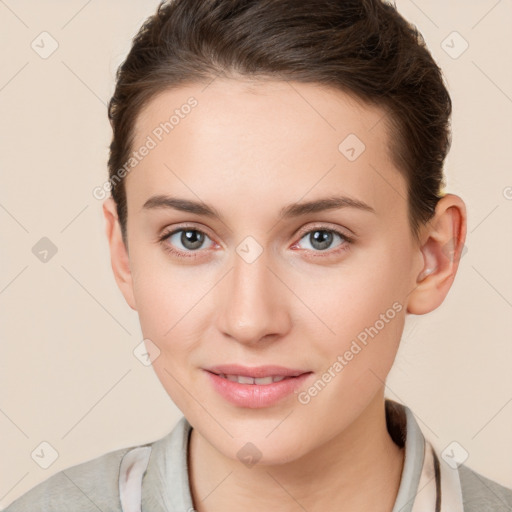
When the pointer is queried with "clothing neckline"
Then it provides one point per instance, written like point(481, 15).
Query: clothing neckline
point(167, 486)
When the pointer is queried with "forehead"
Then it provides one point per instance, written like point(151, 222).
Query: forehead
point(256, 111)
point(278, 140)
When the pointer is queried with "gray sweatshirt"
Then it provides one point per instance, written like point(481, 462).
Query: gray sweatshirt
point(154, 478)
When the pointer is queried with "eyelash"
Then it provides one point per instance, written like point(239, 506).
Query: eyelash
point(344, 245)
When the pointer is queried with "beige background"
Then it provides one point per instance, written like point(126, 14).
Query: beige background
point(68, 375)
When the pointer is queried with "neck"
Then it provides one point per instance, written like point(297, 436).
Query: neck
point(359, 469)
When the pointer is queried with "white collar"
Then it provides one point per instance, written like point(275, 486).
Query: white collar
point(427, 484)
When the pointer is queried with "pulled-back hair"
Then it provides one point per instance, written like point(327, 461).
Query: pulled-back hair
point(362, 47)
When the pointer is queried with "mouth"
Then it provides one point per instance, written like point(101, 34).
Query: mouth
point(255, 387)
point(244, 379)
point(255, 374)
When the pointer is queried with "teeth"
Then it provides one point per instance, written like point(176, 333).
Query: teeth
point(242, 379)
point(264, 380)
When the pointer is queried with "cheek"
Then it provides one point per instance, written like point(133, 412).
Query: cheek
point(174, 310)
point(155, 305)
point(358, 309)
point(363, 309)
point(166, 295)
point(169, 317)
point(353, 294)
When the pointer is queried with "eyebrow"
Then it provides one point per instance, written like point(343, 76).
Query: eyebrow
point(289, 211)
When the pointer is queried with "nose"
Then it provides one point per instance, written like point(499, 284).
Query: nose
point(253, 303)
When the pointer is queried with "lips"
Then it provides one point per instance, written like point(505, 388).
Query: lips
point(255, 387)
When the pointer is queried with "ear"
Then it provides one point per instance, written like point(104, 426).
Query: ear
point(118, 252)
point(441, 248)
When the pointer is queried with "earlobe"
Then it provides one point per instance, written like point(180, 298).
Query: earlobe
point(441, 252)
point(118, 252)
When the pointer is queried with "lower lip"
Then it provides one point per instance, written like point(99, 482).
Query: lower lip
point(255, 396)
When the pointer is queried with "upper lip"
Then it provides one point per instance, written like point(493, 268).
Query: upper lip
point(255, 371)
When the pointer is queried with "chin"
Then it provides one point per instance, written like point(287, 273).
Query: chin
point(262, 451)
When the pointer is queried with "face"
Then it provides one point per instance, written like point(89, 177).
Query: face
point(268, 236)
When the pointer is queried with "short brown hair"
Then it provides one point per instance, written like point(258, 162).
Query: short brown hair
point(362, 47)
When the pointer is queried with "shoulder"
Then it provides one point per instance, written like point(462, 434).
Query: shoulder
point(480, 494)
point(91, 485)
point(94, 484)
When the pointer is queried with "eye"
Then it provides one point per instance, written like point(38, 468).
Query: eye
point(322, 239)
point(185, 240)
point(188, 241)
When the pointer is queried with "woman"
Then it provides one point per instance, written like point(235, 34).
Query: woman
point(276, 172)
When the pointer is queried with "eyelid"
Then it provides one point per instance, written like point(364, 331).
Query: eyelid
point(348, 235)
point(168, 231)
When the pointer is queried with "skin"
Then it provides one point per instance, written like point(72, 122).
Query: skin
point(249, 149)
